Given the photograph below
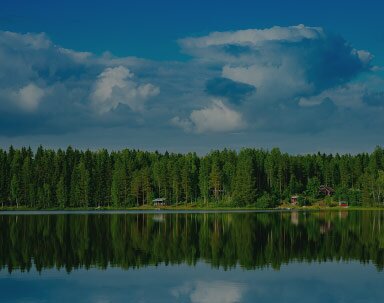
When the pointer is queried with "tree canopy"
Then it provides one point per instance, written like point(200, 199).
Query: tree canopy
point(73, 178)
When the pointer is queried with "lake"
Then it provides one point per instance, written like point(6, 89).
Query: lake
point(335, 256)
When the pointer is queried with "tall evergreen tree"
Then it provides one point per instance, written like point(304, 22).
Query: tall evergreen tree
point(15, 190)
point(245, 182)
point(80, 186)
point(61, 193)
point(120, 184)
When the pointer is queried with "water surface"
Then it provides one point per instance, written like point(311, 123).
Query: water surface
point(192, 257)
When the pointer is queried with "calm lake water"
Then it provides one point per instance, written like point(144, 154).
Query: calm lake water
point(192, 257)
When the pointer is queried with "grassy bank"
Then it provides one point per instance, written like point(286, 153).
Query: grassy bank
point(194, 206)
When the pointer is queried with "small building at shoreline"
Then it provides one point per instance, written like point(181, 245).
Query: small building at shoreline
point(294, 200)
point(159, 202)
point(326, 190)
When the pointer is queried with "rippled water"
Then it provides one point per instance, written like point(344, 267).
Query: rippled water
point(192, 257)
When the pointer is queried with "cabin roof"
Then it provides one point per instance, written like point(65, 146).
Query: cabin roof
point(159, 200)
point(328, 188)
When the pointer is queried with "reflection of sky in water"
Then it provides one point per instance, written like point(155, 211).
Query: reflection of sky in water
point(296, 282)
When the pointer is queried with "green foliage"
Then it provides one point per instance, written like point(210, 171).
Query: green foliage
point(15, 190)
point(267, 200)
point(120, 184)
point(353, 196)
point(61, 194)
point(80, 186)
point(303, 201)
point(74, 178)
point(245, 180)
point(313, 187)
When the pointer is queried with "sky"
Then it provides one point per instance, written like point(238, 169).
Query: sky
point(305, 76)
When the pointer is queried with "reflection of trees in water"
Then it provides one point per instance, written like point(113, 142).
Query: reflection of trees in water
point(252, 240)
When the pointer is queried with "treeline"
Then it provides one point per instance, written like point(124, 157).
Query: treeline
point(74, 178)
point(251, 240)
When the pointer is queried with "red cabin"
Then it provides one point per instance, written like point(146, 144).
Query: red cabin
point(294, 200)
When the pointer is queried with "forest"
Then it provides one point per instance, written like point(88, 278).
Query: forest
point(72, 178)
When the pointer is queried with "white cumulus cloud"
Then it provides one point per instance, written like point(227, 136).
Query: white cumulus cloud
point(115, 85)
point(282, 63)
point(254, 36)
point(215, 118)
point(30, 40)
point(281, 79)
point(29, 97)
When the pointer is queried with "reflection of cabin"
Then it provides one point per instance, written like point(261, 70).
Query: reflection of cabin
point(325, 227)
point(326, 190)
point(295, 218)
point(159, 202)
point(158, 218)
point(294, 200)
point(343, 204)
point(343, 214)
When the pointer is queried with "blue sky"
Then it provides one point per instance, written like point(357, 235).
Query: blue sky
point(130, 28)
point(192, 75)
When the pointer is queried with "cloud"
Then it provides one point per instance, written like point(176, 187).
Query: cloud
point(116, 86)
point(305, 79)
point(232, 90)
point(281, 80)
point(185, 124)
point(374, 99)
point(77, 56)
point(29, 97)
point(210, 292)
point(253, 37)
point(216, 118)
point(30, 40)
point(349, 96)
point(297, 60)
point(45, 88)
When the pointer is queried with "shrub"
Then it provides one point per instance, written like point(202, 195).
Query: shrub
point(303, 201)
point(266, 201)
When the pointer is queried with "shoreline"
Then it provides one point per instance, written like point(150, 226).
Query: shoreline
point(181, 208)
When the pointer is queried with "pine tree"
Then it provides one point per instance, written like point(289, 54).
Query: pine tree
point(120, 185)
point(313, 187)
point(26, 182)
point(245, 182)
point(215, 179)
point(366, 184)
point(204, 179)
point(80, 186)
point(175, 180)
point(186, 180)
point(146, 185)
point(61, 194)
point(4, 178)
point(136, 187)
point(15, 190)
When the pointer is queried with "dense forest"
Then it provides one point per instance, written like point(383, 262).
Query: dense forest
point(225, 240)
point(251, 177)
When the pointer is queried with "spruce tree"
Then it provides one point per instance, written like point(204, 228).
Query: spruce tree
point(245, 182)
point(15, 190)
point(61, 194)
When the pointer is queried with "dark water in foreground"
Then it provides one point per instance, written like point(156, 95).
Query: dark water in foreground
point(192, 257)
